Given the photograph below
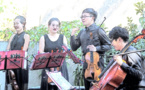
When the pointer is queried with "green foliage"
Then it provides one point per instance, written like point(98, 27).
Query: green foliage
point(78, 76)
point(36, 33)
point(8, 11)
point(139, 7)
point(140, 10)
point(133, 31)
point(6, 34)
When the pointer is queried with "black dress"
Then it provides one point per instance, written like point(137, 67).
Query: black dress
point(21, 74)
point(53, 45)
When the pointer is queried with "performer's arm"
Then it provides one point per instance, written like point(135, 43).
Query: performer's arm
point(9, 43)
point(75, 41)
point(27, 40)
point(41, 44)
point(104, 40)
point(133, 70)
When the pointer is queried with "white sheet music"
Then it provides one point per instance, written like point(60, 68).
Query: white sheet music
point(25, 61)
point(59, 80)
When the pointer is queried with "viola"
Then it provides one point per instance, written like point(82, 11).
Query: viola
point(92, 59)
point(112, 76)
point(13, 80)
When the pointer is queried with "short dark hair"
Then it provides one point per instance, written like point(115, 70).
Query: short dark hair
point(117, 32)
point(91, 11)
point(22, 20)
point(53, 19)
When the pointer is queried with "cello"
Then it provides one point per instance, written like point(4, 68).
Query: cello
point(112, 76)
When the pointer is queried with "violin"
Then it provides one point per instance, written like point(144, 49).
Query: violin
point(92, 59)
point(13, 80)
point(112, 76)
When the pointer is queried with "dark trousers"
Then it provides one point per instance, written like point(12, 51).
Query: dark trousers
point(87, 83)
point(52, 87)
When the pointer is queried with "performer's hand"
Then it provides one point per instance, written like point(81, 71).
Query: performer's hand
point(74, 30)
point(118, 59)
point(91, 48)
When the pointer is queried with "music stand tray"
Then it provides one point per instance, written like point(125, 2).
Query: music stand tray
point(60, 81)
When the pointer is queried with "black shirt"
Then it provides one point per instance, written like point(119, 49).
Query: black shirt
point(83, 39)
point(134, 70)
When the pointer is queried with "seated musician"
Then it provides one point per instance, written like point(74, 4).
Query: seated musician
point(130, 63)
point(48, 42)
point(19, 41)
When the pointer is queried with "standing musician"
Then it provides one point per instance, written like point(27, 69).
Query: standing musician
point(52, 41)
point(130, 63)
point(19, 41)
point(99, 43)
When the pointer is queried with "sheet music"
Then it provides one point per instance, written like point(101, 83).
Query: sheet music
point(25, 61)
point(59, 80)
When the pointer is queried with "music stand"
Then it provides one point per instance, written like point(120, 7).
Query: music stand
point(47, 60)
point(13, 59)
point(2, 60)
point(71, 54)
point(56, 60)
point(40, 61)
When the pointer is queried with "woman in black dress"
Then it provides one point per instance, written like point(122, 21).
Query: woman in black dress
point(19, 41)
point(52, 41)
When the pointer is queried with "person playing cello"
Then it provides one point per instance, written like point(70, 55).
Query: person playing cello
point(99, 42)
point(130, 63)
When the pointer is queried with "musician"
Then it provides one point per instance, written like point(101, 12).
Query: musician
point(52, 41)
point(100, 42)
point(19, 41)
point(130, 63)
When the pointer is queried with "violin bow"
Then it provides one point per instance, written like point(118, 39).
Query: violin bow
point(103, 21)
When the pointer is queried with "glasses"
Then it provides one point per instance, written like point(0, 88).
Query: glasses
point(85, 16)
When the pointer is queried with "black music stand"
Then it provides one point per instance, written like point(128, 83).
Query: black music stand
point(12, 59)
point(2, 60)
point(51, 60)
point(47, 60)
point(40, 61)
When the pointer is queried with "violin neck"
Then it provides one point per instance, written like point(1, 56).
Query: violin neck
point(91, 56)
